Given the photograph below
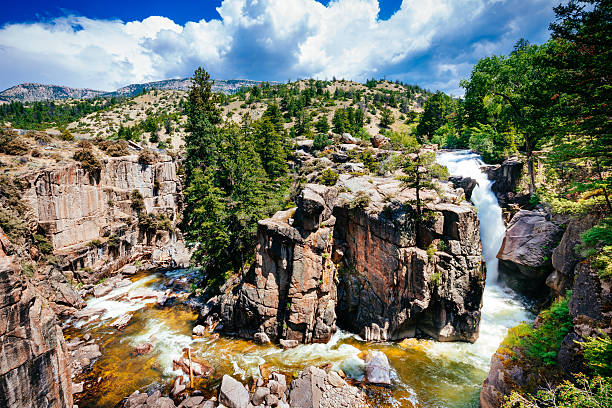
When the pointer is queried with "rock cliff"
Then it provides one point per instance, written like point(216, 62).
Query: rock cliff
point(76, 210)
point(364, 257)
point(33, 358)
point(590, 306)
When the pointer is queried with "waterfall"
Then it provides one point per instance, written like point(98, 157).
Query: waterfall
point(502, 307)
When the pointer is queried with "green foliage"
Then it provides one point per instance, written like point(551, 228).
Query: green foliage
point(386, 118)
point(369, 160)
point(597, 246)
point(435, 114)
point(113, 148)
point(494, 147)
point(41, 115)
point(361, 200)
point(66, 136)
point(322, 125)
point(153, 223)
point(89, 161)
point(545, 340)
point(235, 176)
point(582, 392)
point(320, 142)
point(328, 177)
point(12, 143)
point(137, 201)
point(598, 354)
point(43, 244)
point(12, 224)
point(147, 157)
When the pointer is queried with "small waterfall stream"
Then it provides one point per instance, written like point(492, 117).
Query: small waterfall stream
point(426, 373)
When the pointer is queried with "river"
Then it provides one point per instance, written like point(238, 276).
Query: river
point(426, 373)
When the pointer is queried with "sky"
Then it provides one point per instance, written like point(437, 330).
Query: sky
point(109, 44)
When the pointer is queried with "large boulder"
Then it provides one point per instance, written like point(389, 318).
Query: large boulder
point(232, 393)
point(314, 388)
point(377, 369)
point(525, 253)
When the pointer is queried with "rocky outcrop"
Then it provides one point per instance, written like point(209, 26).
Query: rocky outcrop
point(290, 292)
point(565, 257)
point(397, 278)
point(398, 282)
point(33, 357)
point(590, 308)
point(90, 220)
point(506, 178)
point(525, 253)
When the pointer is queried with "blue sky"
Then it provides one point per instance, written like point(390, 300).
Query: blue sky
point(105, 45)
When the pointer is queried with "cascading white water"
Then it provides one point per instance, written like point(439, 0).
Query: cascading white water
point(502, 307)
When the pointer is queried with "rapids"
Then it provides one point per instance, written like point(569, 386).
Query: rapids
point(426, 373)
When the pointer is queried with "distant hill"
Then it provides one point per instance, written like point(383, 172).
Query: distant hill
point(30, 92)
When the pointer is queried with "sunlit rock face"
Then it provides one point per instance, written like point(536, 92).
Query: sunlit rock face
point(369, 268)
point(75, 208)
point(33, 366)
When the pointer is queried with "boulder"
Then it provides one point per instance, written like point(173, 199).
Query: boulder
point(340, 157)
point(377, 369)
point(179, 386)
point(312, 389)
point(192, 402)
point(144, 348)
point(466, 183)
point(122, 321)
point(232, 393)
point(261, 338)
point(527, 248)
point(102, 290)
point(199, 330)
point(347, 138)
point(379, 141)
point(288, 344)
point(199, 369)
point(259, 396)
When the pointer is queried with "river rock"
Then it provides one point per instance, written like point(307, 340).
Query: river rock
point(288, 344)
point(179, 386)
point(199, 330)
point(144, 348)
point(259, 396)
point(102, 290)
point(311, 389)
point(232, 393)
point(527, 247)
point(262, 338)
point(192, 402)
point(129, 270)
point(199, 369)
point(122, 321)
point(466, 183)
point(378, 370)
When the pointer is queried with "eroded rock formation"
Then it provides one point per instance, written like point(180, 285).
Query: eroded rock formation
point(33, 357)
point(365, 258)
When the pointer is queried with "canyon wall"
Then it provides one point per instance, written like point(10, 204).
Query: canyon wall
point(33, 360)
point(385, 275)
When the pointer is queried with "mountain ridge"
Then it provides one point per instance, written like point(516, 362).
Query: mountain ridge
point(35, 92)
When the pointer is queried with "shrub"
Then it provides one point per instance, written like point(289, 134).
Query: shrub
point(66, 135)
point(328, 177)
point(114, 148)
point(361, 200)
point(11, 143)
point(88, 160)
point(12, 224)
point(113, 241)
point(147, 157)
point(137, 201)
point(43, 244)
point(321, 142)
point(597, 246)
point(598, 354)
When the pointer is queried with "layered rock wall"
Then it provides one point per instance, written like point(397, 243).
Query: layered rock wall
point(79, 212)
point(33, 363)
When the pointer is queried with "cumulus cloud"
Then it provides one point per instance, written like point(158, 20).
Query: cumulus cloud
point(433, 43)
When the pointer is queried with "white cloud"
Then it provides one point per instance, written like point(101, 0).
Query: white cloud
point(260, 39)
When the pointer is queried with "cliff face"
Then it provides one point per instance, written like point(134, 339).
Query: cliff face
point(392, 288)
point(80, 212)
point(33, 364)
point(364, 262)
point(290, 292)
